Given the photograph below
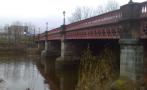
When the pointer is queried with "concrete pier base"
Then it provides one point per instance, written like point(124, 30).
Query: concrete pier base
point(67, 63)
point(43, 57)
point(132, 60)
point(69, 57)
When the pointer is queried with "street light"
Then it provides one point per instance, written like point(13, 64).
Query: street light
point(63, 17)
point(46, 26)
point(46, 37)
point(46, 30)
point(131, 1)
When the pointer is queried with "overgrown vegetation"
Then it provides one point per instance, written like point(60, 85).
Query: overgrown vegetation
point(124, 83)
point(97, 72)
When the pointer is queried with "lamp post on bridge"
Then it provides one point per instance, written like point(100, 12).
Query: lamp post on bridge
point(63, 17)
point(46, 37)
point(63, 36)
point(63, 26)
point(131, 1)
point(46, 31)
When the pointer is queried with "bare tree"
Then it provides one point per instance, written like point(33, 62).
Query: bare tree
point(99, 10)
point(81, 13)
point(111, 5)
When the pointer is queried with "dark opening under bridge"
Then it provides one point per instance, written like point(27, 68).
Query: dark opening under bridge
point(126, 27)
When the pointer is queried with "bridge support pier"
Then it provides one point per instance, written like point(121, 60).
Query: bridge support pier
point(132, 60)
point(44, 53)
point(68, 50)
point(51, 50)
point(40, 45)
point(69, 56)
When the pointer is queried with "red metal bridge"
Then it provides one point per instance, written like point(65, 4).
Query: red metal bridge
point(104, 26)
point(128, 25)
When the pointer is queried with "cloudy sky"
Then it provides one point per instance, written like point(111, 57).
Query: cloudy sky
point(39, 12)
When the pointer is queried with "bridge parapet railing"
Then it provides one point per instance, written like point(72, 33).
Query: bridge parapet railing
point(42, 36)
point(143, 22)
point(106, 18)
point(53, 31)
point(143, 9)
point(55, 36)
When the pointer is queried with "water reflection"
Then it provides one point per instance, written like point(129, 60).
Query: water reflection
point(48, 71)
point(19, 74)
point(58, 79)
point(68, 80)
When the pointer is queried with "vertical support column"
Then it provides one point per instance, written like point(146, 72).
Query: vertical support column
point(46, 45)
point(66, 46)
point(67, 49)
point(63, 33)
point(62, 48)
point(131, 48)
point(46, 38)
point(38, 45)
point(44, 52)
point(67, 57)
point(132, 60)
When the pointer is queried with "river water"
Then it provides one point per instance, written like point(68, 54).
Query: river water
point(26, 73)
point(20, 73)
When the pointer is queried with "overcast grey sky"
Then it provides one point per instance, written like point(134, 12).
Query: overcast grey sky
point(41, 11)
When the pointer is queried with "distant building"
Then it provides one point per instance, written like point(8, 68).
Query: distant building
point(13, 36)
point(17, 30)
point(3, 35)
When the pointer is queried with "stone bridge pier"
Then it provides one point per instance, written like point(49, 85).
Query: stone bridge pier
point(40, 45)
point(70, 54)
point(131, 47)
point(70, 50)
point(51, 50)
point(132, 60)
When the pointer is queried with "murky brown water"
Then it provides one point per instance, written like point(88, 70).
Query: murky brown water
point(20, 73)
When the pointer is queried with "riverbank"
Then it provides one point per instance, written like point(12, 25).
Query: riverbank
point(18, 51)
